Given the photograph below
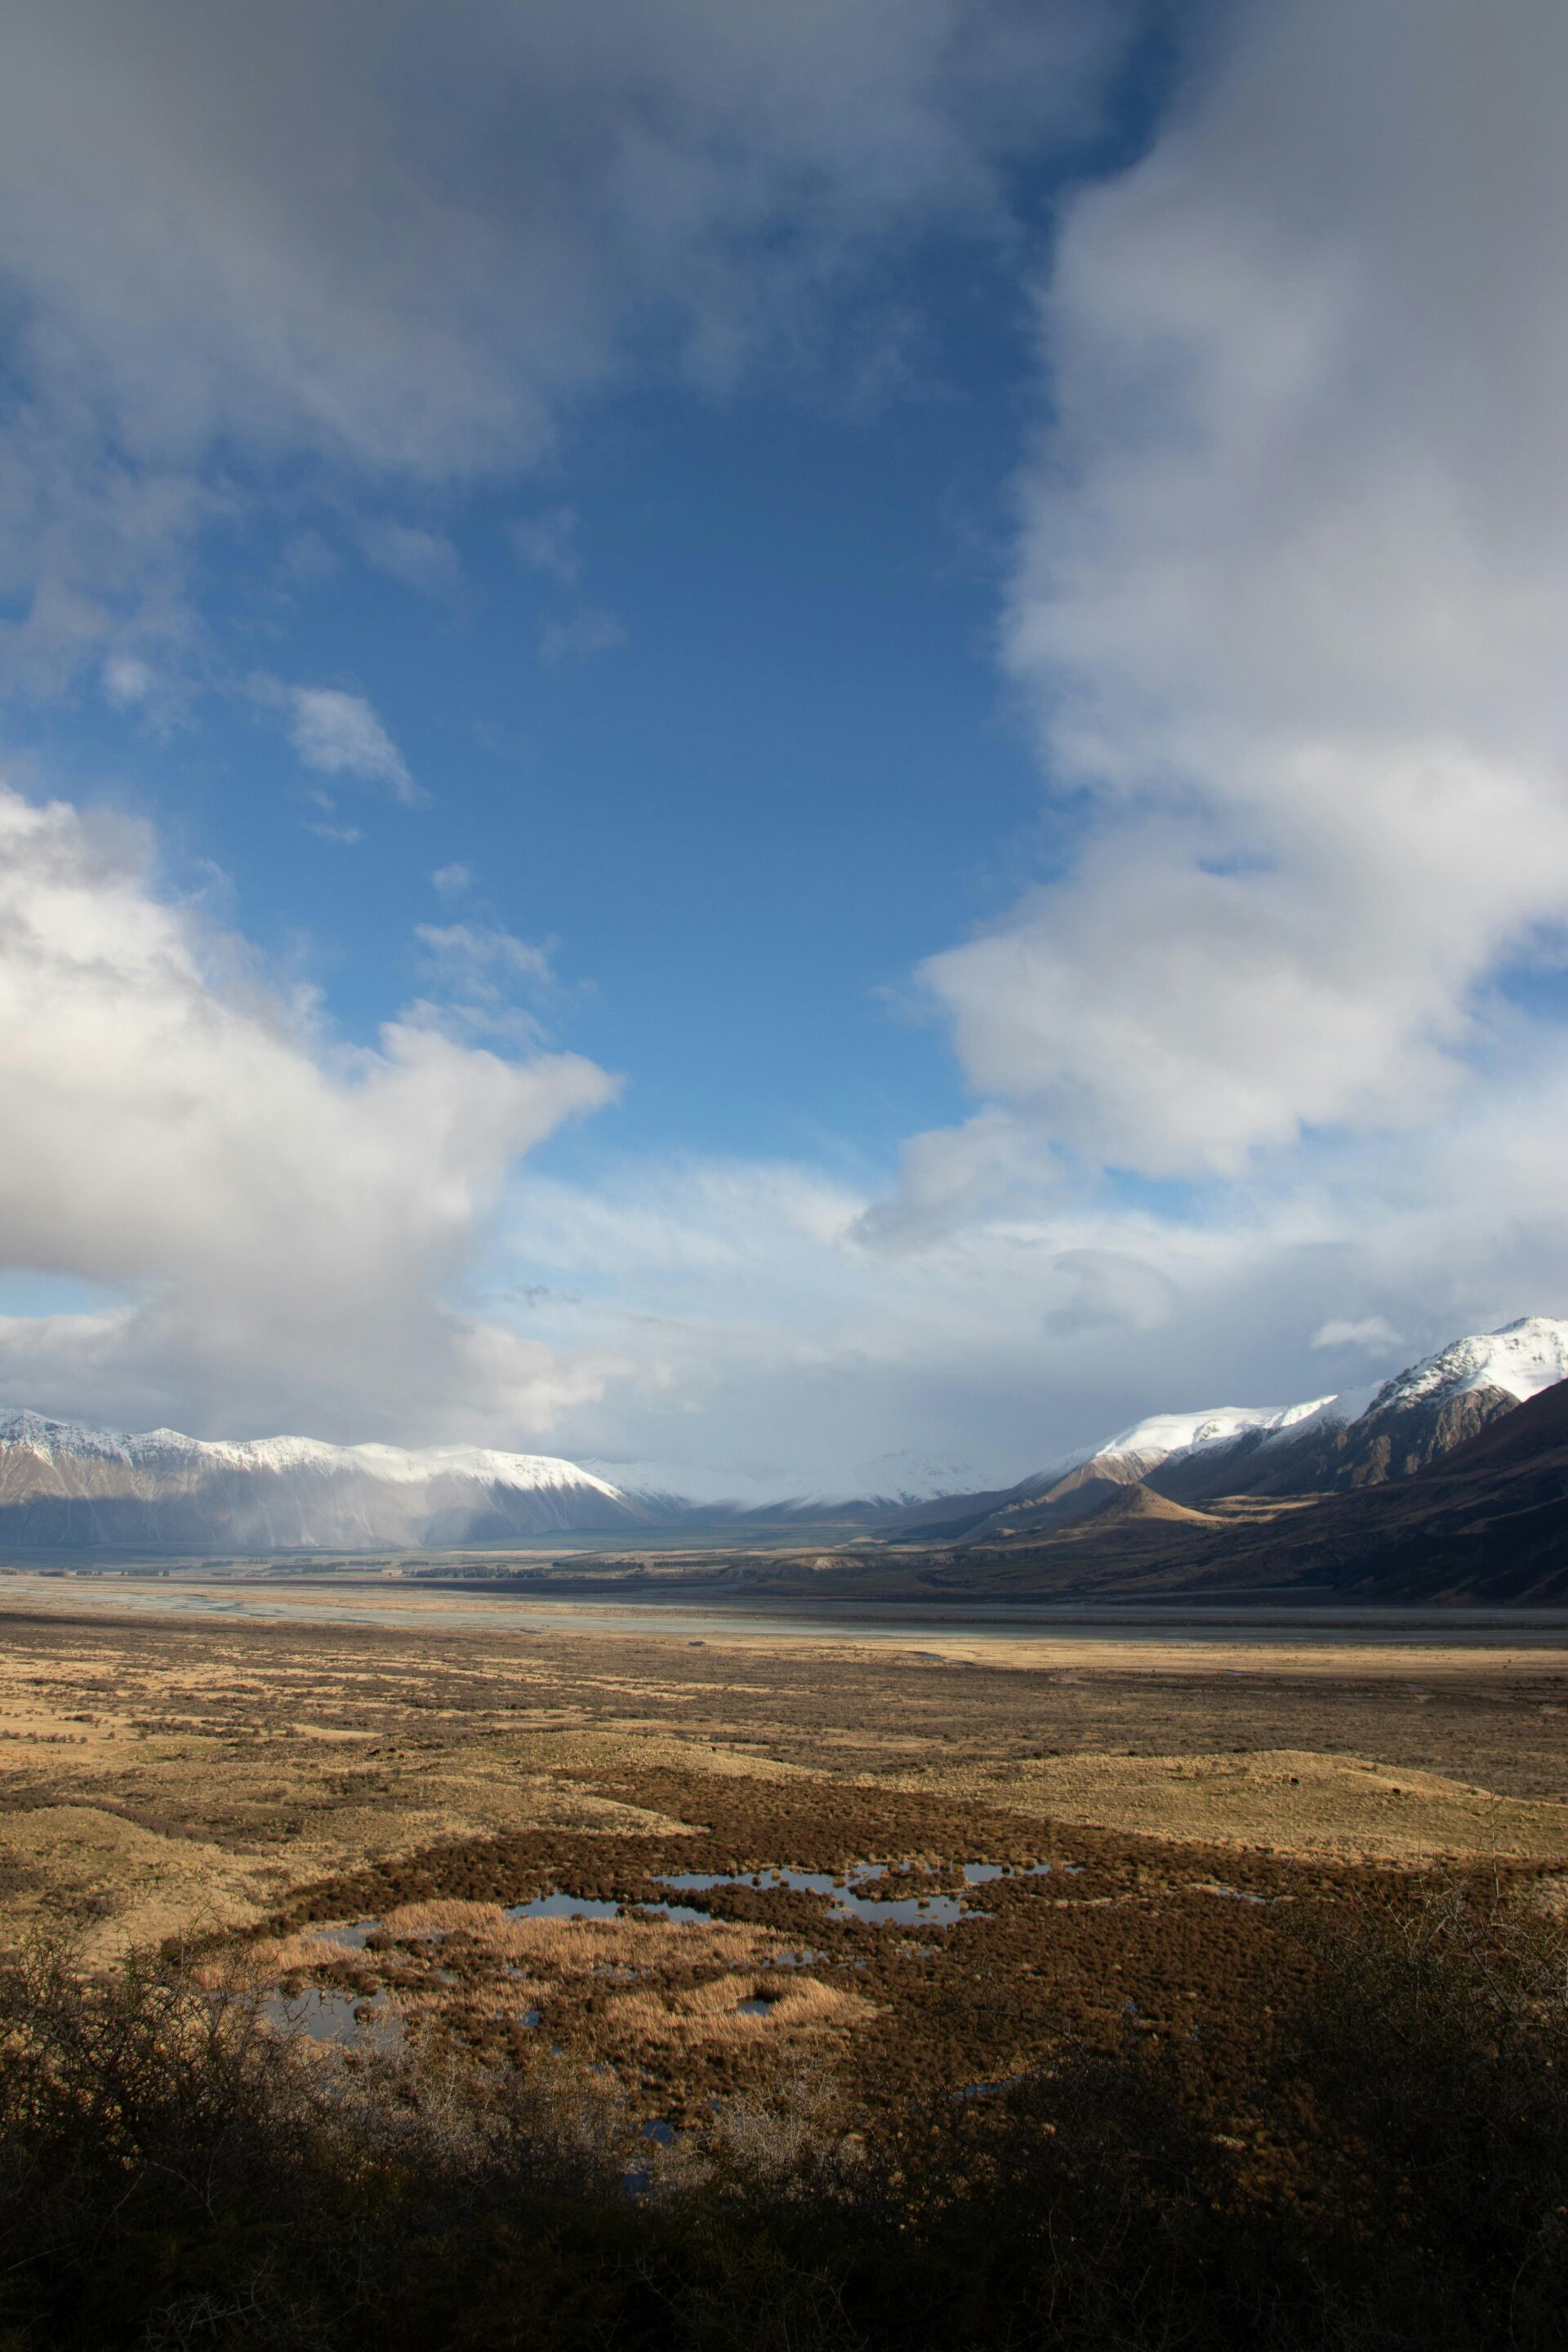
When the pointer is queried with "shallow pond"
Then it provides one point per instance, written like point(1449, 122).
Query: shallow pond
point(343, 2017)
point(593, 1906)
point(844, 1899)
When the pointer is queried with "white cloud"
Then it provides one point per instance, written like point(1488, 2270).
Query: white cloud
point(338, 734)
point(526, 186)
point(451, 881)
point(1289, 597)
point(479, 973)
point(95, 549)
point(476, 956)
point(1374, 1334)
point(285, 1217)
point(954, 1176)
point(299, 1232)
point(126, 680)
point(773, 1337)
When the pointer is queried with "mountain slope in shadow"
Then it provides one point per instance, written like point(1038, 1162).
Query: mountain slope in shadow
point(1488, 1521)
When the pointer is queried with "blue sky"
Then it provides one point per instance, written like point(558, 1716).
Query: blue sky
point(810, 750)
point(777, 766)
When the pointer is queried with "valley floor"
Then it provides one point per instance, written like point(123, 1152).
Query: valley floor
point(389, 1827)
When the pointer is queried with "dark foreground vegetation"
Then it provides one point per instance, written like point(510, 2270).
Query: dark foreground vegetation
point(172, 2174)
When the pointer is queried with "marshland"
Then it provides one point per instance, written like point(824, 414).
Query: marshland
point(757, 1992)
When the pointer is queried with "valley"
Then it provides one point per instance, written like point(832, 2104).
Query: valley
point(1448, 1483)
point(362, 1815)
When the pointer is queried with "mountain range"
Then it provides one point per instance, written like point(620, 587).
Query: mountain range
point(66, 1487)
point(1325, 1446)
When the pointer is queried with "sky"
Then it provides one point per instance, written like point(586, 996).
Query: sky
point(799, 751)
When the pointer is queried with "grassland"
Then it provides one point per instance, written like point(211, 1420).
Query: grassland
point(244, 1786)
point(1135, 1857)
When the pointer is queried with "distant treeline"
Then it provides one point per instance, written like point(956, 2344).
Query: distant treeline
point(172, 2174)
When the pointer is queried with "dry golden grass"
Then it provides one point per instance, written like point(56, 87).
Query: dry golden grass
point(162, 1779)
point(583, 1947)
point(710, 2013)
point(525, 1961)
point(1290, 1800)
point(119, 1882)
point(562, 1948)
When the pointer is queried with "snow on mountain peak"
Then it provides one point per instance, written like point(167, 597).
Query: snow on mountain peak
point(1164, 1434)
point(157, 1448)
point(1520, 1357)
point(50, 1439)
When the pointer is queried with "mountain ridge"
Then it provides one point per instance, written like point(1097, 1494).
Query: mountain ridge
point(64, 1484)
point(1322, 1445)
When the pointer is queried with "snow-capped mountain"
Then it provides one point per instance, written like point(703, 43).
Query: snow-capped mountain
point(1419, 1414)
point(1321, 1446)
point(1516, 1363)
point(65, 1487)
point(1364, 1436)
point(1163, 1436)
point(61, 1485)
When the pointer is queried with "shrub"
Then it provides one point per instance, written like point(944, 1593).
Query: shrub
point(174, 2174)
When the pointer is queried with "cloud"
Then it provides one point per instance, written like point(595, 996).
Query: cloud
point(590, 630)
point(286, 1218)
point(479, 955)
point(338, 734)
point(290, 1230)
point(527, 186)
point(1294, 555)
point(95, 548)
point(478, 971)
point(1108, 1289)
point(451, 881)
point(768, 1331)
point(1374, 1334)
point(426, 561)
point(126, 680)
point(548, 542)
point(355, 241)
point(951, 1177)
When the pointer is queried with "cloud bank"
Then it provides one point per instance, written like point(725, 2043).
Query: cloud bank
point(371, 244)
point(1287, 602)
point(278, 1220)
point(1267, 1074)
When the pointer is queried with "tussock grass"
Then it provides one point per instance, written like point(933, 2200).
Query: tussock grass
point(711, 2012)
point(565, 1947)
point(581, 1947)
